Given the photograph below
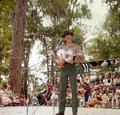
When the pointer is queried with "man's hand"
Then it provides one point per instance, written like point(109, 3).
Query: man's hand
point(60, 61)
point(80, 56)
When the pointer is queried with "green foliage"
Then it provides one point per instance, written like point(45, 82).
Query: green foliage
point(53, 8)
point(112, 24)
point(106, 44)
point(6, 23)
point(59, 10)
point(79, 34)
point(86, 13)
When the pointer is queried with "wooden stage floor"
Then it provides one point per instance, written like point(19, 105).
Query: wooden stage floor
point(48, 110)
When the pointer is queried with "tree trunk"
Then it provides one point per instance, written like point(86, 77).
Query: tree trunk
point(16, 55)
point(26, 62)
point(52, 67)
point(68, 19)
point(46, 51)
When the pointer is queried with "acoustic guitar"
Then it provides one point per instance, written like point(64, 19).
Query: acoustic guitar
point(64, 57)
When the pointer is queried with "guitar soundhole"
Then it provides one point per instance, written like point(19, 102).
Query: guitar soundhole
point(67, 56)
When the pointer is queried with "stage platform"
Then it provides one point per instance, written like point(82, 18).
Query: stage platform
point(48, 110)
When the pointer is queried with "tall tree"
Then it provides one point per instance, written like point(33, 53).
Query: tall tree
point(33, 23)
point(16, 54)
point(64, 15)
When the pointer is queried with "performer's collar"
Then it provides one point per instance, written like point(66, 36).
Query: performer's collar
point(69, 45)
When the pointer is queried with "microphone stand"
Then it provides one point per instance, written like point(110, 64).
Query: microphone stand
point(27, 88)
point(54, 92)
point(53, 85)
point(28, 84)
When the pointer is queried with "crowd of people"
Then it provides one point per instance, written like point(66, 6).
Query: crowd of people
point(100, 91)
point(8, 98)
point(94, 91)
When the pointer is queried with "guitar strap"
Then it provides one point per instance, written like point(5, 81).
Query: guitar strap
point(67, 62)
point(74, 58)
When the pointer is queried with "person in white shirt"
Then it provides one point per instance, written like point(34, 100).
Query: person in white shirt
point(118, 89)
point(117, 81)
point(92, 77)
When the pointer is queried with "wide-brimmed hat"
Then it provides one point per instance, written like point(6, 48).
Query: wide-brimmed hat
point(67, 33)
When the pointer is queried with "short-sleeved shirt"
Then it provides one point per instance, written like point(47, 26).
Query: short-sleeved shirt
point(75, 49)
point(117, 80)
point(8, 92)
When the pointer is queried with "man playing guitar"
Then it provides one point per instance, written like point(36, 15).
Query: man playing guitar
point(67, 70)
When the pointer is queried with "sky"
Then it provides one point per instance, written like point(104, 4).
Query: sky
point(98, 10)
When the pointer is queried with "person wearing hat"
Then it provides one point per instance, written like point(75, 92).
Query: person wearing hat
point(69, 70)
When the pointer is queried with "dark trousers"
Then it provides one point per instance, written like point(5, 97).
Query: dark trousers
point(69, 71)
point(87, 96)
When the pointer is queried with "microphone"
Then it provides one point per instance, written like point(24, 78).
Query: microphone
point(58, 43)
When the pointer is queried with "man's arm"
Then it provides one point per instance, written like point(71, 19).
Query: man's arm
point(79, 52)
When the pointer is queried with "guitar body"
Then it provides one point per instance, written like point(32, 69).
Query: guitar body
point(71, 62)
point(61, 63)
point(60, 66)
point(64, 57)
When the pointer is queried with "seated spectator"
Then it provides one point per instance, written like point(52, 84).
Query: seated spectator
point(1, 90)
point(118, 89)
point(82, 80)
point(115, 75)
point(102, 78)
point(91, 86)
point(41, 98)
point(49, 87)
point(1, 94)
point(110, 96)
point(96, 85)
point(117, 81)
point(101, 83)
point(14, 97)
point(8, 92)
point(69, 95)
point(87, 80)
point(99, 101)
point(114, 78)
point(97, 78)
point(93, 93)
point(106, 88)
point(93, 77)
point(91, 104)
point(81, 99)
point(94, 103)
point(4, 98)
point(87, 92)
point(22, 98)
point(105, 80)
point(81, 88)
point(54, 97)
point(112, 89)
point(68, 103)
point(78, 82)
point(47, 96)
point(109, 82)
point(34, 100)
point(115, 100)
point(104, 97)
